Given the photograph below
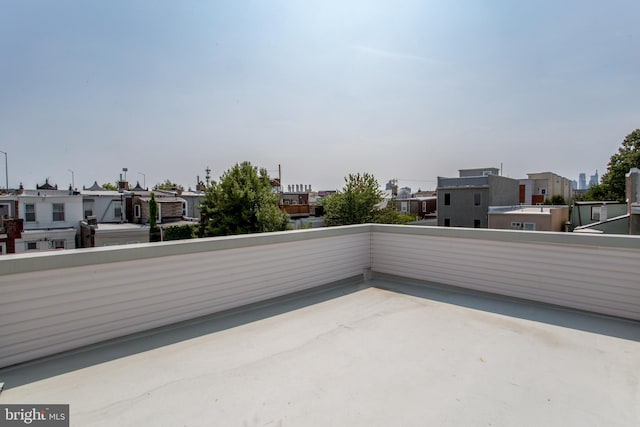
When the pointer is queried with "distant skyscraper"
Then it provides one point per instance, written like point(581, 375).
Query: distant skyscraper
point(574, 184)
point(582, 183)
point(404, 193)
point(594, 180)
point(392, 186)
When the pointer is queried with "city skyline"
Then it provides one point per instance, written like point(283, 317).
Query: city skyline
point(287, 186)
point(411, 91)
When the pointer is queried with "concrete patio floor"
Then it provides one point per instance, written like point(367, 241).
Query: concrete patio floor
point(385, 353)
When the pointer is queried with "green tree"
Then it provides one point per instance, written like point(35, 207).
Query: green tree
point(168, 185)
point(598, 192)
point(389, 215)
point(109, 186)
point(356, 203)
point(556, 200)
point(242, 202)
point(627, 157)
point(180, 232)
point(155, 234)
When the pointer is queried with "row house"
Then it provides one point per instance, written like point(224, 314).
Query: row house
point(191, 207)
point(464, 201)
point(121, 217)
point(171, 207)
point(50, 218)
point(300, 200)
point(529, 218)
point(132, 204)
point(421, 207)
point(11, 226)
point(541, 187)
point(106, 206)
point(106, 220)
point(296, 201)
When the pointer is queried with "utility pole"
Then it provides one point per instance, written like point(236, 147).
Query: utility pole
point(280, 182)
point(6, 170)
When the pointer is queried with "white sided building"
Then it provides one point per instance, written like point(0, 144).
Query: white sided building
point(51, 219)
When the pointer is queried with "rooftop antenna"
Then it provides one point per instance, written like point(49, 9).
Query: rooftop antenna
point(73, 181)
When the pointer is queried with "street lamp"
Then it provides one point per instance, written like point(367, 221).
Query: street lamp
point(73, 181)
point(6, 170)
point(144, 180)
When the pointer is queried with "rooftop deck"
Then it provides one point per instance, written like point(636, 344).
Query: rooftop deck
point(363, 325)
point(382, 352)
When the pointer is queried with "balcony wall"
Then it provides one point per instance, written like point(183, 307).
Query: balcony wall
point(52, 302)
point(594, 273)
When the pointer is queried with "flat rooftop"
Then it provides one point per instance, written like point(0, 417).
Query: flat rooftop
point(381, 352)
point(534, 210)
point(124, 226)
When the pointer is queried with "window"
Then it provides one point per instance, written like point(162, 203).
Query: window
point(404, 208)
point(57, 244)
point(136, 211)
point(424, 206)
point(529, 226)
point(31, 246)
point(58, 211)
point(516, 225)
point(447, 199)
point(476, 223)
point(117, 210)
point(184, 208)
point(447, 222)
point(477, 199)
point(30, 212)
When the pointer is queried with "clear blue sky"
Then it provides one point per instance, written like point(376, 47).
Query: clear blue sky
point(400, 89)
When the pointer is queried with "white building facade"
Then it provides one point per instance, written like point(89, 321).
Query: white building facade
point(51, 219)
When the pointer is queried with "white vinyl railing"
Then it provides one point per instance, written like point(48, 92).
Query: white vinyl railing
point(52, 302)
point(593, 273)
